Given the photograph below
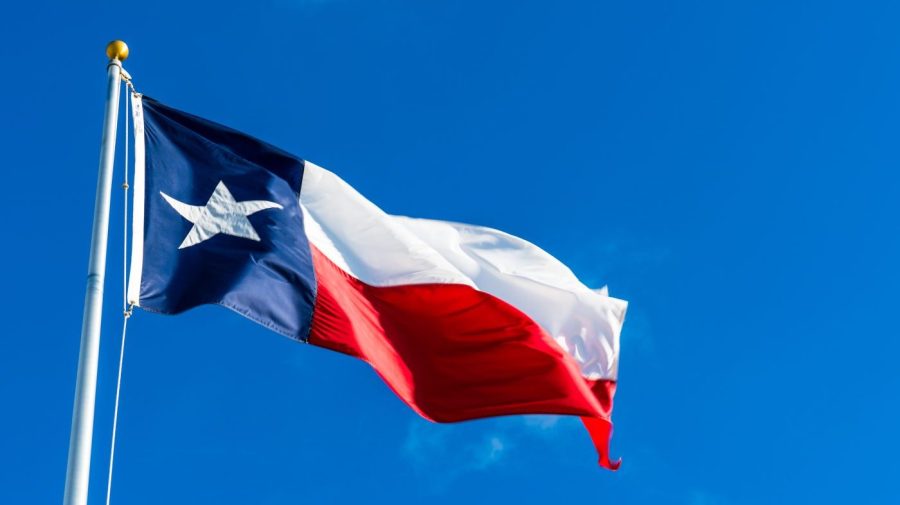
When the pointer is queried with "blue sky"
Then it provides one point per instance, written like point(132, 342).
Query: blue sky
point(727, 167)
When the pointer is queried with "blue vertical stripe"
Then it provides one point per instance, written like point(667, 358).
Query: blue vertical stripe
point(270, 281)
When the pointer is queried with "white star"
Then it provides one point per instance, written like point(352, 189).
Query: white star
point(221, 214)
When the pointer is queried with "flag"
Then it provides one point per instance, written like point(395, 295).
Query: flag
point(461, 321)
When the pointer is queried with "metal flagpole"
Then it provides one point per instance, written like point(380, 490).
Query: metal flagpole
point(79, 466)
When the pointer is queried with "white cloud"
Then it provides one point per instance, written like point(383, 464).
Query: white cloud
point(441, 453)
point(542, 422)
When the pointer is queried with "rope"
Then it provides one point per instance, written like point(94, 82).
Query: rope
point(126, 309)
point(112, 446)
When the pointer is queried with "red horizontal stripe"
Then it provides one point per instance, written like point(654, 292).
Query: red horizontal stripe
point(454, 353)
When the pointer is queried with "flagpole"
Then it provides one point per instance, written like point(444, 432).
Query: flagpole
point(79, 465)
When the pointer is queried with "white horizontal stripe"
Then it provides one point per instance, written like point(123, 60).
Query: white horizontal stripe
point(384, 250)
point(364, 241)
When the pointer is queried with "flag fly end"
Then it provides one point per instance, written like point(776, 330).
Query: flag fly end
point(600, 431)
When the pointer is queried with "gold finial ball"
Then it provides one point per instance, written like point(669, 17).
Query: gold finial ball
point(117, 50)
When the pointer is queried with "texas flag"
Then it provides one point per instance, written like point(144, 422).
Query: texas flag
point(461, 321)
